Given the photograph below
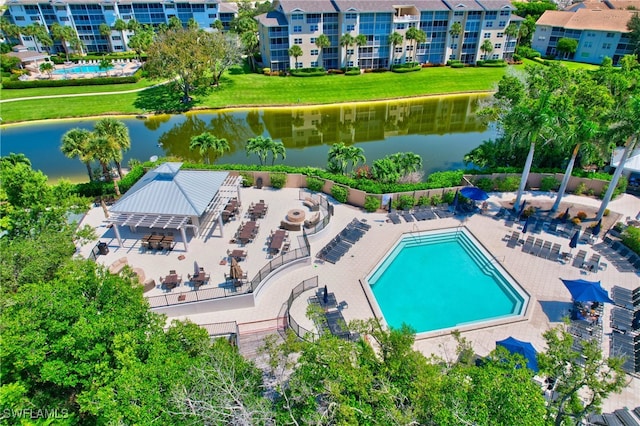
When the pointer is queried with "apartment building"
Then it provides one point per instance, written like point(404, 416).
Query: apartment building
point(600, 33)
point(85, 17)
point(301, 22)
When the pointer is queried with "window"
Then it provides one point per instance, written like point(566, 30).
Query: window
point(591, 34)
point(497, 46)
point(350, 63)
point(116, 38)
point(458, 13)
point(588, 44)
point(313, 28)
point(19, 18)
point(487, 35)
point(117, 47)
point(500, 35)
point(35, 18)
point(64, 19)
point(297, 28)
point(27, 38)
point(610, 35)
point(212, 16)
point(488, 24)
point(398, 49)
point(107, 7)
point(505, 13)
point(313, 40)
point(314, 52)
point(454, 46)
point(409, 58)
point(299, 133)
point(501, 24)
point(409, 48)
point(396, 61)
point(298, 64)
point(584, 54)
point(297, 17)
point(495, 56)
point(297, 41)
point(314, 63)
point(399, 26)
point(542, 38)
point(350, 51)
point(606, 45)
point(350, 16)
point(351, 28)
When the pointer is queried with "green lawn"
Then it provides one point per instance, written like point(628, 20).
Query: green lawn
point(239, 89)
point(74, 90)
point(568, 64)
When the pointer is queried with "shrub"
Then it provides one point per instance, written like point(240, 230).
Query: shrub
point(266, 71)
point(448, 197)
point(278, 180)
point(620, 188)
point(457, 65)
point(424, 200)
point(99, 81)
point(606, 212)
point(380, 70)
point(315, 184)
point(549, 183)
point(247, 179)
point(631, 238)
point(339, 193)
point(529, 211)
point(581, 215)
point(308, 72)
point(492, 63)
point(408, 67)
point(352, 71)
point(507, 184)
point(406, 202)
point(580, 189)
point(527, 52)
point(436, 199)
point(371, 203)
point(576, 221)
point(485, 183)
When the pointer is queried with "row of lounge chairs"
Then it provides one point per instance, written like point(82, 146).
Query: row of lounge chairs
point(626, 345)
point(619, 255)
point(585, 328)
point(620, 417)
point(625, 322)
point(542, 248)
point(420, 213)
point(342, 242)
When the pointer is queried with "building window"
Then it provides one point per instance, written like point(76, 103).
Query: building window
point(399, 26)
point(27, 38)
point(606, 46)
point(35, 18)
point(505, 13)
point(350, 51)
point(313, 40)
point(409, 58)
point(487, 35)
point(588, 44)
point(298, 64)
point(495, 56)
point(117, 47)
point(584, 54)
point(19, 18)
point(409, 48)
point(300, 133)
point(500, 35)
point(591, 34)
point(502, 24)
point(350, 63)
point(313, 28)
point(314, 63)
point(458, 13)
point(610, 35)
point(351, 16)
point(351, 28)
point(398, 49)
point(454, 46)
point(212, 16)
point(297, 28)
point(497, 46)
point(297, 41)
point(542, 38)
point(314, 52)
point(489, 24)
point(116, 38)
point(297, 17)
point(64, 19)
point(108, 7)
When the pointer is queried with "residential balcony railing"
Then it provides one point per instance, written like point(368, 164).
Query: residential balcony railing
point(406, 18)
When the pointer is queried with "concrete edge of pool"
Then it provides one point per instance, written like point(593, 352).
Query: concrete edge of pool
point(527, 299)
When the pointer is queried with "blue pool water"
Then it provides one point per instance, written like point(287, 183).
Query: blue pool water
point(443, 279)
point(81, 69)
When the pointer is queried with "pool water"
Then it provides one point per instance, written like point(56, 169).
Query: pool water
point(443, 279)
point(81, 69)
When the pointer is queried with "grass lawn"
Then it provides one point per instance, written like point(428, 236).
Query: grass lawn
point(74, 90)
point(568, 64)
point(248, 89)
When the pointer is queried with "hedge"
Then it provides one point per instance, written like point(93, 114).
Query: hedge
point(492, 63)
point(99, 188)
point(352, 71)
point(340, 193)
point(308, 72)
point(100, 81)
point(408, 67)
point(278, 180)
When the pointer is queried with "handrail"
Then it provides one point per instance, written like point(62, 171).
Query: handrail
point(300, 331)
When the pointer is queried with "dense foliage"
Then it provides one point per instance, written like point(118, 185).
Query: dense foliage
point(97, 81)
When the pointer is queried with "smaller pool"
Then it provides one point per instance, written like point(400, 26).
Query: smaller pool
point(82, 69)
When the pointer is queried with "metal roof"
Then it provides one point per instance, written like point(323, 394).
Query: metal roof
point(167, 190)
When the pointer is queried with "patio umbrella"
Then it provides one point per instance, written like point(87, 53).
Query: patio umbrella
point(566, 215)
point(587, 291)
point(236, 270)
point(526, 225)
point(455, 201)
point(196, 268)
point(525, 349)
point(596, 228)
point(524, 203)
point(325, 296)
point(474, 193)
point(574, 240)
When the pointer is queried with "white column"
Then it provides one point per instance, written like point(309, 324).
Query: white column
point(221, 225)
point(117, 232)
point(184, 239)
point(238, 192)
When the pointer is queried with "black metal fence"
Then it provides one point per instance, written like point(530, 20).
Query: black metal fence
point(300, 331)
point(325, 208)
point(228, 330)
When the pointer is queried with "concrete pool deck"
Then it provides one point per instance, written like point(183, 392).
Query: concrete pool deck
point(539, 277)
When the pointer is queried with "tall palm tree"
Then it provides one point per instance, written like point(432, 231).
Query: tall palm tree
point(407, 162)
point(260, 146)
point(76, 144)
point(105, 31)
point(101, 149)
point(346, 40)
point(360, 40)
point(206, 142)
point(416, 36)
point(116, 133)
point(511, 32)
point(355, 156)
point(295, 52)
point(67, 37)
point(277, 149)
point(395, 39)
point(455, 31)
point(322, 42)
point(486, 48)
point(338, 157)
point(121, 25)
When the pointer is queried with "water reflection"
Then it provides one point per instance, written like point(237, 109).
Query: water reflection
point(441, 130)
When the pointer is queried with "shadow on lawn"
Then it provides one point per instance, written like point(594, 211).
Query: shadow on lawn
point(165, 99)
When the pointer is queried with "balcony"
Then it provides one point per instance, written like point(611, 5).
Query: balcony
point(406, 18)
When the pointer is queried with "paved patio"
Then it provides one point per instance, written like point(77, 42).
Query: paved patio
point(539, 277)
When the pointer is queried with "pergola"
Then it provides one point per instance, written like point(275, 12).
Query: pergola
point(169, 198)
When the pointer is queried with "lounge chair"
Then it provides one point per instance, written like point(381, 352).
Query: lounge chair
point(539, 226)
point(528, 244)
point(407, 216)
point(513, 240)
point(578, 261)
point(555, 252)
point(394, 218)
point(537, 246)
point(546, 250)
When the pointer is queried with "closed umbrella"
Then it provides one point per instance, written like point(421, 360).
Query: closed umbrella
point(526, 225)
point(596, 228)
point(525, 349)
point(325, 296)
point(587, 291)
point(235, 271)
point(574, 240)
point(566, 215)
point(524, 203)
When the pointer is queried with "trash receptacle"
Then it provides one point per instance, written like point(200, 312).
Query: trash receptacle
point(103, 248)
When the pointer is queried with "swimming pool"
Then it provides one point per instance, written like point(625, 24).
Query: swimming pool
point(444, 279)
point(81, 69)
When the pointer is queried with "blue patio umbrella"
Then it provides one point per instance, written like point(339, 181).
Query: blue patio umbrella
point(587, 291)
point(526, 225)
point(525, 349)
point(455, 202)
point(524, 203)
point(596, 228)
point(574, 240)
point(566, 215)
point(325, 295)
point(474, 193)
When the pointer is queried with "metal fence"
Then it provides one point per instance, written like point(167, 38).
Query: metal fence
point(325, 207)
point(227, 329)
point(300, 331)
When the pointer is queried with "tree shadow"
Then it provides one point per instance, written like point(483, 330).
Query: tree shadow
point(555, 310)
point(163, 99)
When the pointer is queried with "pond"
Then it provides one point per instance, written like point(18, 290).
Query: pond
point(440, 129)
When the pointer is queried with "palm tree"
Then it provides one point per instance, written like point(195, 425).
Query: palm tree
point(277, 149)
point(40, 34)
point(76, 144)
point(512, 31)
point(346, 40)
point(454, 32)
point(486, 48)
point(105, 31)
point(355, 156)
point(322, 42)
point(101, 150)
point(417, 36)
point(361, 40)
point(67, 37)
point(120, 25)
point(407, 162)
point(47, 67)
point(116, 133)
point(395, 39)
point(250, 44)
point(206, 142)
point(295, 52)
point(338, 157)
point(260, 146)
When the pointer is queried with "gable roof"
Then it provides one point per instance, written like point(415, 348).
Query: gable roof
point(588, 19)
point(307, 6)
point(167, 190)
point(272, 18)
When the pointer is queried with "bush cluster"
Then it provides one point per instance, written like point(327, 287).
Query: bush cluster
point(495, 63)
point(408, 67)
point(278, 180)
point(631, 238)
point(352, 71)
point(99, 81)
point(527, 52)
point(247, 179)
point(340, 193)
point(315, 184)
point(308, 72)
point(371, 203)
point(549, 183)
point(98, 188)
point(507, 184)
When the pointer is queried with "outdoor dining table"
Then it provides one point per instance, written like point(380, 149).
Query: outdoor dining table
point(259, 210)
point(247, 232)
point(170, 281)
point(200, 279)
point(239, 255)
point(276, 241)
point(232, 206)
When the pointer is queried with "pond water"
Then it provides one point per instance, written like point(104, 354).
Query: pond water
point(441, 130)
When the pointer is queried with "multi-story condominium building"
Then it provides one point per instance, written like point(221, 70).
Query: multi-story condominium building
point(301, 22)
point(85, 17)
point(599, 33)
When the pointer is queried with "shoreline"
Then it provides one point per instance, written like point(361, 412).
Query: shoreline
point(240, 108)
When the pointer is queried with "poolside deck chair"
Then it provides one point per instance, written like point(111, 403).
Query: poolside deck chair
point(539, 226)
point(555, 252)
point(528, 244)
point(408, 217)
point(394, 218)
point(361, 225)
point(537, 246)
point(546, 250)
point(626, 417)
point(500, 214)
point(578, 261)
point(513, 240)
point(553, 226)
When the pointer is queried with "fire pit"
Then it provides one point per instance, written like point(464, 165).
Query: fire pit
point(295, 216)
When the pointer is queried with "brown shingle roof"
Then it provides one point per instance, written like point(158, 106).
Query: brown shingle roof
point(307, 6)
point(463, 5)
point(272, 19)
point(587, 19)
point(366, 5)
point(623, 4)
